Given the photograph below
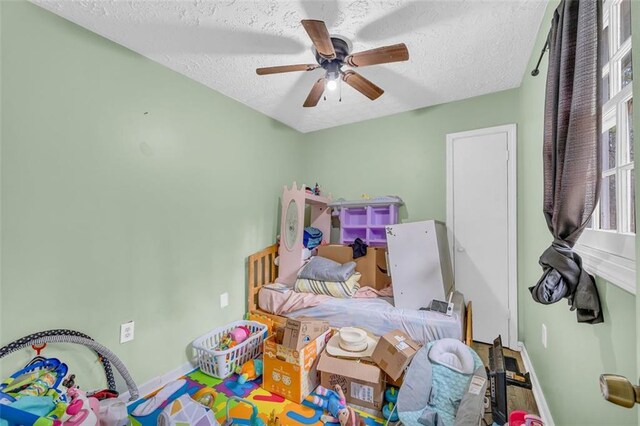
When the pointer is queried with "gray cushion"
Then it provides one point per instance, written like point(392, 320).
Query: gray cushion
point(323, 269)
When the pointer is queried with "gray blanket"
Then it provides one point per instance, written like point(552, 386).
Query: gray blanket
point(323, 269)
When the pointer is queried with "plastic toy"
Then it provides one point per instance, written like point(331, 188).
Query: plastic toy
point(206, 396)
point(250, 371)
point(185, 411)
point(391, 395)
point(389, 412)
point(105, 356)
point(254, 420)
point(335, 403)
point(240, 334)
point(273, 419)
point(81, 410)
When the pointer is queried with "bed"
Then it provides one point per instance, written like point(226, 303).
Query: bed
point(377, 315)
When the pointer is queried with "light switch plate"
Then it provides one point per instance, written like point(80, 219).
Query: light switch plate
point(126, 331)
point(224, 300)
point(543, 336)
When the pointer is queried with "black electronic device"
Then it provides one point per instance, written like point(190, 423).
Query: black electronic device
point(498, 382)
point(514, 376)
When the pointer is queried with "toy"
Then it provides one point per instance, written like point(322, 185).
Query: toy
point(250, 370)
point(391, 395)
point(234, 337)
point(113, 412)
point(185, 411)
point(522, 418)
point(206, 396)
point(81, 410)
point(240, 334)
point(389, 412)
point(273, 419)
point(226, 342)
point(254, 420)
point(156, 401)
point(335, 403)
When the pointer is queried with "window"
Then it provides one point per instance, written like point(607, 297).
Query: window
point(608, 245)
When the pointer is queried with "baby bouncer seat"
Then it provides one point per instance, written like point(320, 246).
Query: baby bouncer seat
point(445, 385)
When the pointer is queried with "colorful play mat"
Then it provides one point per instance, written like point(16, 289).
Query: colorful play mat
point(289, 413)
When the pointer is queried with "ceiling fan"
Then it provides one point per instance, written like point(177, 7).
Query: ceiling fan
point(332, 53)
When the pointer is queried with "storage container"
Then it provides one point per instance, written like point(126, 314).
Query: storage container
point(222, 364)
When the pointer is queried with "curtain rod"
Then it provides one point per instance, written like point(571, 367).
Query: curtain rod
point(536, 71)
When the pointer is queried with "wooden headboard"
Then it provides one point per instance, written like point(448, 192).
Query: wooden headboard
point(262, 271)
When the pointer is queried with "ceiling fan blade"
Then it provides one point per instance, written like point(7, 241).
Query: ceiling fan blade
point(319, 35)
point(315, 94)
point(362, 85)
point(380, 55)
point(286, 68)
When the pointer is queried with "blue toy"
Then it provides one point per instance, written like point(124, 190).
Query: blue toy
point(389, 412)
point(391, 395)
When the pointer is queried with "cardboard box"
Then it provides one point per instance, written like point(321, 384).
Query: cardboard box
point(394, 352)
point(372, 267)
point(290, 373)
point(362, 383)
point(299, 332)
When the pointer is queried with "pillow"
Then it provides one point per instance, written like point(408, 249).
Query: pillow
point(340, 289)
point(323, 269)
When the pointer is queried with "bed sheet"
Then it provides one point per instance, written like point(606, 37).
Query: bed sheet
point(380, 317)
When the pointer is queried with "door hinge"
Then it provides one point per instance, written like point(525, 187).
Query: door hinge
point(507, 151)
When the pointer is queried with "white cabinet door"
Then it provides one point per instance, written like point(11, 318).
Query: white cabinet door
point(419, 262)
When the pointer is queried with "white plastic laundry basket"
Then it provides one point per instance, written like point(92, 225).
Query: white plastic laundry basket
point(222, 364)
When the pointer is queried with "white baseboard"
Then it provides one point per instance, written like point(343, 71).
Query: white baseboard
point(545, 413)
point(158, 382)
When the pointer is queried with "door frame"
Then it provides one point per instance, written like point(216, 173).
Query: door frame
point(512, 209)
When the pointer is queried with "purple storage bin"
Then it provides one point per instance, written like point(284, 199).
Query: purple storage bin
point(367, 223)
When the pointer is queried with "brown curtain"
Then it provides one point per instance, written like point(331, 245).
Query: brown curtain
point(571, 155)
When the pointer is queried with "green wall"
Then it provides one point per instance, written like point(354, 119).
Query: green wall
point(129, 192)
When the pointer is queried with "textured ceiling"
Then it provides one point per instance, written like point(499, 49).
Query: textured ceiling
point(458, 49)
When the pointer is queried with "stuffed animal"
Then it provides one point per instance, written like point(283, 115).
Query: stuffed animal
point(335, 403)
point(250, 370)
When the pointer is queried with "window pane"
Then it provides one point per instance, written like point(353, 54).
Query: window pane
point(604, 47)
point(608, 203)
point(590, 223)
point(625, 20)
point(605, 89)
point(609, 149)
point(627, 69)
point(630, 128)
point(632, 200)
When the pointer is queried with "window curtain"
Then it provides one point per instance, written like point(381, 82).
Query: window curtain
point(571, 155)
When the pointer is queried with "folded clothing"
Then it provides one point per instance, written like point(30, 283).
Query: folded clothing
point(323, 269)
point(340, 289)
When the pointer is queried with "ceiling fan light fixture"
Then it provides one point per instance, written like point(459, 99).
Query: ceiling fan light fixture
point(332, 84)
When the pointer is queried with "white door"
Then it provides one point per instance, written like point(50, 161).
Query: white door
point(482, 225)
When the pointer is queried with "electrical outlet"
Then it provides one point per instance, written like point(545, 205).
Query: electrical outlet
point(126, 331)
point(543, 336)
point(224, 300)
